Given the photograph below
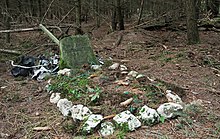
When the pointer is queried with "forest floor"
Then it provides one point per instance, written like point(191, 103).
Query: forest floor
point(162, 54)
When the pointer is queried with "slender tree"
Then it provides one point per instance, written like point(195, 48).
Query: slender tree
point(120, 15)
point(7, 20)
point(192, 28)
point(78, 17)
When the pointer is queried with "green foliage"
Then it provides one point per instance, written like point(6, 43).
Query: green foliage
point(211, 62)
point(122, 130)
point(162, 119)
point(62, 64)
point(70, 88)
point(27, 44)
point(96, 96)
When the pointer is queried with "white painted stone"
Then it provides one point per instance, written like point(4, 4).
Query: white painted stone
point(167, 110)
point(54, 98)
point(173, 98)
point(80, 112)
point(128, 118)
point(107, 129)
point(92, 122)
point(148, 115)
point(133, 73)
point(64, 71)
point(114, 66)
point(64, 106)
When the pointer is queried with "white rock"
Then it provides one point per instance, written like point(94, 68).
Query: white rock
point(114, 66)
point(167, 110)
point(92, 122)
point(80, 112)
point(124, 72)
point(128, 118)
point(96, 67)
point(123, 68)
point(173, 98)
point(64, 106)
point(54, 98)
point(3, 87)
point(133, 73)
point(148, 115)
point(107, 129)
point(140, 76)
point(64, 72)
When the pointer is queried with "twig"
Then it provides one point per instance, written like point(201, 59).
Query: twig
point(118, 41)
point(10, 51)
point(109, 116)
point(46, 128)
point(47, 11)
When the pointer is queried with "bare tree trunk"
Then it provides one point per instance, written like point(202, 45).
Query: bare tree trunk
point(40, 15)
point(192, 28)
point(120, 15)
point(114, 16)
point(97, 9)
point(7, 22)
point(141, 12)
point(78, 17)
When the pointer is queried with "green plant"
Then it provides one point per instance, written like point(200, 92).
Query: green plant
point(27, 44)
point(96, 96)
point(122, 130)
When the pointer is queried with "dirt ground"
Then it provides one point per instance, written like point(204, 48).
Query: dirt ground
point(162, 55)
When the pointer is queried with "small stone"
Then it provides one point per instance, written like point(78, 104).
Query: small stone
point(64, 71)
point(80, 112)
point(148, 115)
point(128, 118)
point(124, 72)
point(54, 98)
point(96, 67)
point(173, 98)
point(140, 76)
point(64, 106)
point(92, 122)
point(133, 73)
point(114, 66)
point(3, 87)
point(37, 113)
point(107, 129)
point(167, 110)
point(123, 68)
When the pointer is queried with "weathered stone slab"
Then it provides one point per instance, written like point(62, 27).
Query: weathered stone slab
point(76, 51)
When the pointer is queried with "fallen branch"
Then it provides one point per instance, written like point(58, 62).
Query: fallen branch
point(118, 42)
point(109, 116)
point(31, 29)
point(10, 51)
point(42, 128)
